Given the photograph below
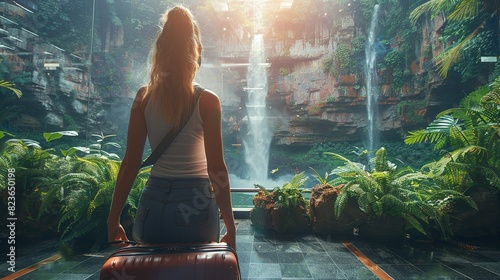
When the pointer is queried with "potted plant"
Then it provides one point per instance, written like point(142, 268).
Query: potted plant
point(381, 195)
point(321, 208)
point(471, 166)
point(284, 209)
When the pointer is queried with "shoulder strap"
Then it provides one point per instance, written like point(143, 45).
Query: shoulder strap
point(155, 155)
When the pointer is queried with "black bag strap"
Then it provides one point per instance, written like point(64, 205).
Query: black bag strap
point(155, 155)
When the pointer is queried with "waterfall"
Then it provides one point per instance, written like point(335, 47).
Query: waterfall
point(258, 140)
point(371, 85)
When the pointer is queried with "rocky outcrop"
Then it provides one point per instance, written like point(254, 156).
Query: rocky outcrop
point(307, 105)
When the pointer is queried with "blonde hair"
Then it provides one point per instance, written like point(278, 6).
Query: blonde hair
point(174, 65)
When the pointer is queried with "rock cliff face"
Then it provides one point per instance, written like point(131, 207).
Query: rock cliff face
point(308, 105)
point(55, 84)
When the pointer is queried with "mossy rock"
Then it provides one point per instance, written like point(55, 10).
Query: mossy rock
point(267, 216)
point(321, 205)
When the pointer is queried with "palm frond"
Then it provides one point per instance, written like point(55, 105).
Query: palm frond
point(433, 6)
point(436, 132)
point(447, 58)
point(11, 87)
point(465, 9)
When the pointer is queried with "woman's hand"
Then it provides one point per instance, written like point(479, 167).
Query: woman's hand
point(230, 239)
point(117, 233)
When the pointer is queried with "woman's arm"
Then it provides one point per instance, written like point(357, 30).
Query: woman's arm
point(211, 113)
point(136, 138)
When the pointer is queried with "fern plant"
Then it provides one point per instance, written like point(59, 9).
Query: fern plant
point(379, 192)
point(86, 194)
point(34, 168)
point(471, 132)
point(282, 209)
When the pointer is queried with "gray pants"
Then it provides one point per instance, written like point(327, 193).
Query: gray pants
point(177, 211)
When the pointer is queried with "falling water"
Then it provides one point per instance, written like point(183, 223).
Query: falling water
point(258, 139)
point(371, 85)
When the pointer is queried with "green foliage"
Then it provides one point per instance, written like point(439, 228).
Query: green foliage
point(394, 59)
point(465, 21)
point(86, 197)
point(11, 87)
point(339, 61)
point(408, 109)
point(471, 133)
point(51, 136)
point(321, 180)
point(74, 193)
point(343, 56)
point(328, 65)
point(379, 192)
point(290, 194)
point(417, 197)
point(358, 44)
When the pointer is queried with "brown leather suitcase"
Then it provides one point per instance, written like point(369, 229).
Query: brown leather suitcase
point(216, 261)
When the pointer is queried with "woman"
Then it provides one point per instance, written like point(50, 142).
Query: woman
point(189, 183)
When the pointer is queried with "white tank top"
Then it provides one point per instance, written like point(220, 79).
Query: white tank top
point(185, 156)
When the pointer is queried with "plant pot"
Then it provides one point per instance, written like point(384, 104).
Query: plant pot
point(386, 228)
point(322, 211)
point(469, 222)
point(267, 216)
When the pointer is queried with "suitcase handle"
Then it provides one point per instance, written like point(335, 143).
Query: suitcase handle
point(132, 250)
point(116, 242)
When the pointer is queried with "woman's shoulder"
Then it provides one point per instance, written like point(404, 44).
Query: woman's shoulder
point(209, 102)
point(141, 98)
point(209, 96)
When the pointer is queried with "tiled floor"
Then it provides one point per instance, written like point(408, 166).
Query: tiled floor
point(268, 255)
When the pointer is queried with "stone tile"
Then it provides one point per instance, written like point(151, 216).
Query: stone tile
point(264, 270)
point(244, 246)
point(473, 271)
point(379, 254)
point(326, 271)
point(493, 267)
point(414, 256)
point(294, 257)
point(263, 247)
point(318, 258)
point(403, 271)
point(288, 248)
point(244, 238)
point(294, 270)
point(440, 271)
point(266, 257)
point(353, 271)
point(311, 247)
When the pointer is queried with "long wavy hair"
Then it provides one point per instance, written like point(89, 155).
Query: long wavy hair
point(174, 65)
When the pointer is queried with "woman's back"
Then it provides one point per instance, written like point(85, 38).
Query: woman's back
point(185, 156)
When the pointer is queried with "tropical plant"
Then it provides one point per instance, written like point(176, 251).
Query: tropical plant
point(439, 192)
point(33, 169)
point(11, 87)
point(86, 197)
point(288, 195)
point(471, 132)
point(101, 142)
point(473, 14)
point(380, 192)
point(424, 199)
point(282, 209)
